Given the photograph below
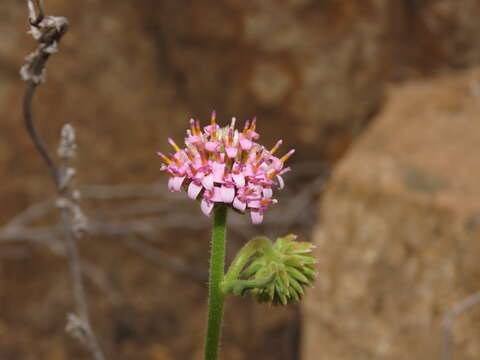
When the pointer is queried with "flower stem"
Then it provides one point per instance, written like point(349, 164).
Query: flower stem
point(215, 295)
point(260, 243)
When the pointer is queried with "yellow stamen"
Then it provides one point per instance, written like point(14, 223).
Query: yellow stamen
point(212, 119)
point(192, 127)
point(272, 174)
point(258, 161)
point(166, 159)
point(249, 191)
point(175, 146)
point(275, 148)
point(286, 156)
point(212, 122)
point(246, 127)
point(197, 125)
point(178, 162)
point(253, 125)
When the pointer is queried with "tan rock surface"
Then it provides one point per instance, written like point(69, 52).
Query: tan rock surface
point(399, 239)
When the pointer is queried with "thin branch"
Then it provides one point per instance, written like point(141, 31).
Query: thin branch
point(99, 278)
point(166, 261)
point(37, 140)
point(48, 30)
point(30, 214)
point(458, 308)
point(74, 226)
point(32, 18)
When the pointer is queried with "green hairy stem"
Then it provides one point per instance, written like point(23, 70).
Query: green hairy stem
point(215, 295)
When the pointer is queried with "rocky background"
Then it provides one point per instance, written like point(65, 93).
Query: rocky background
point(316, 73)
point(399, 238)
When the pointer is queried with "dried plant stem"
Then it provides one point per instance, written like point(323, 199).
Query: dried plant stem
point(458, 308)
point(80, 327)
point(88, 337)
point(215, 295)
point(48, 30)
point(37, 140)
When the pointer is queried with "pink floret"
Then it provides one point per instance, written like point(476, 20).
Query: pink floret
point(225, 165)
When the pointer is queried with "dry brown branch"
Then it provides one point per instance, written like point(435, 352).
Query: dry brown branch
point(166, 261)
point(48, 30)
point(448, 320)
point(48, 236)
point(98, 277)
point(148, 217)
point(30, 214)
point(145, 211)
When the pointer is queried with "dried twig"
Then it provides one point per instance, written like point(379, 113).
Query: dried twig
point(30, 214)
point(74, 224)
point(458, 308)
point(135, 217)
point(178, 265)
point(148, 217)
point(48, 30)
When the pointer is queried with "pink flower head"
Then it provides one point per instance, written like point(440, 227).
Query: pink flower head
point(224, 165)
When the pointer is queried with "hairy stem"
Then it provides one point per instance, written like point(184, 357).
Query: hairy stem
point(215, 295)
point(244, 256)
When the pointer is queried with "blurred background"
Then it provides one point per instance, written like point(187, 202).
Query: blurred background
point(380, 100)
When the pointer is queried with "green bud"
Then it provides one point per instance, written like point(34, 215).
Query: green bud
point(276, 273)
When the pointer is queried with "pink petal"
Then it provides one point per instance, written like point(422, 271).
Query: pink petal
point(193, 190)
point(276, 163)
point(239, 204)
point(170, 183)
point(177, 183)
point(197, 162)
point(194, 139)
point(254, 204)
point(218, 172)
point(211, 146)
point(216, 195)
point(199, 175)
point(231, 151)
point(239, 179)
point(248, 170)
point(206, 207)
point(245, 143)
point(257, 217)
point(267, 193)
point(281, 183)
point(209, 128)
point(207, 182)
point(227, 193)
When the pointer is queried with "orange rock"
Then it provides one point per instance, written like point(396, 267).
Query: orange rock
point(398, 244)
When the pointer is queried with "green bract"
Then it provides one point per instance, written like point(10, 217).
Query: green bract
point(277, 273)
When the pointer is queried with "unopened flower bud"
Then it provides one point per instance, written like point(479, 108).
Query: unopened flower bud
point(277, 273)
